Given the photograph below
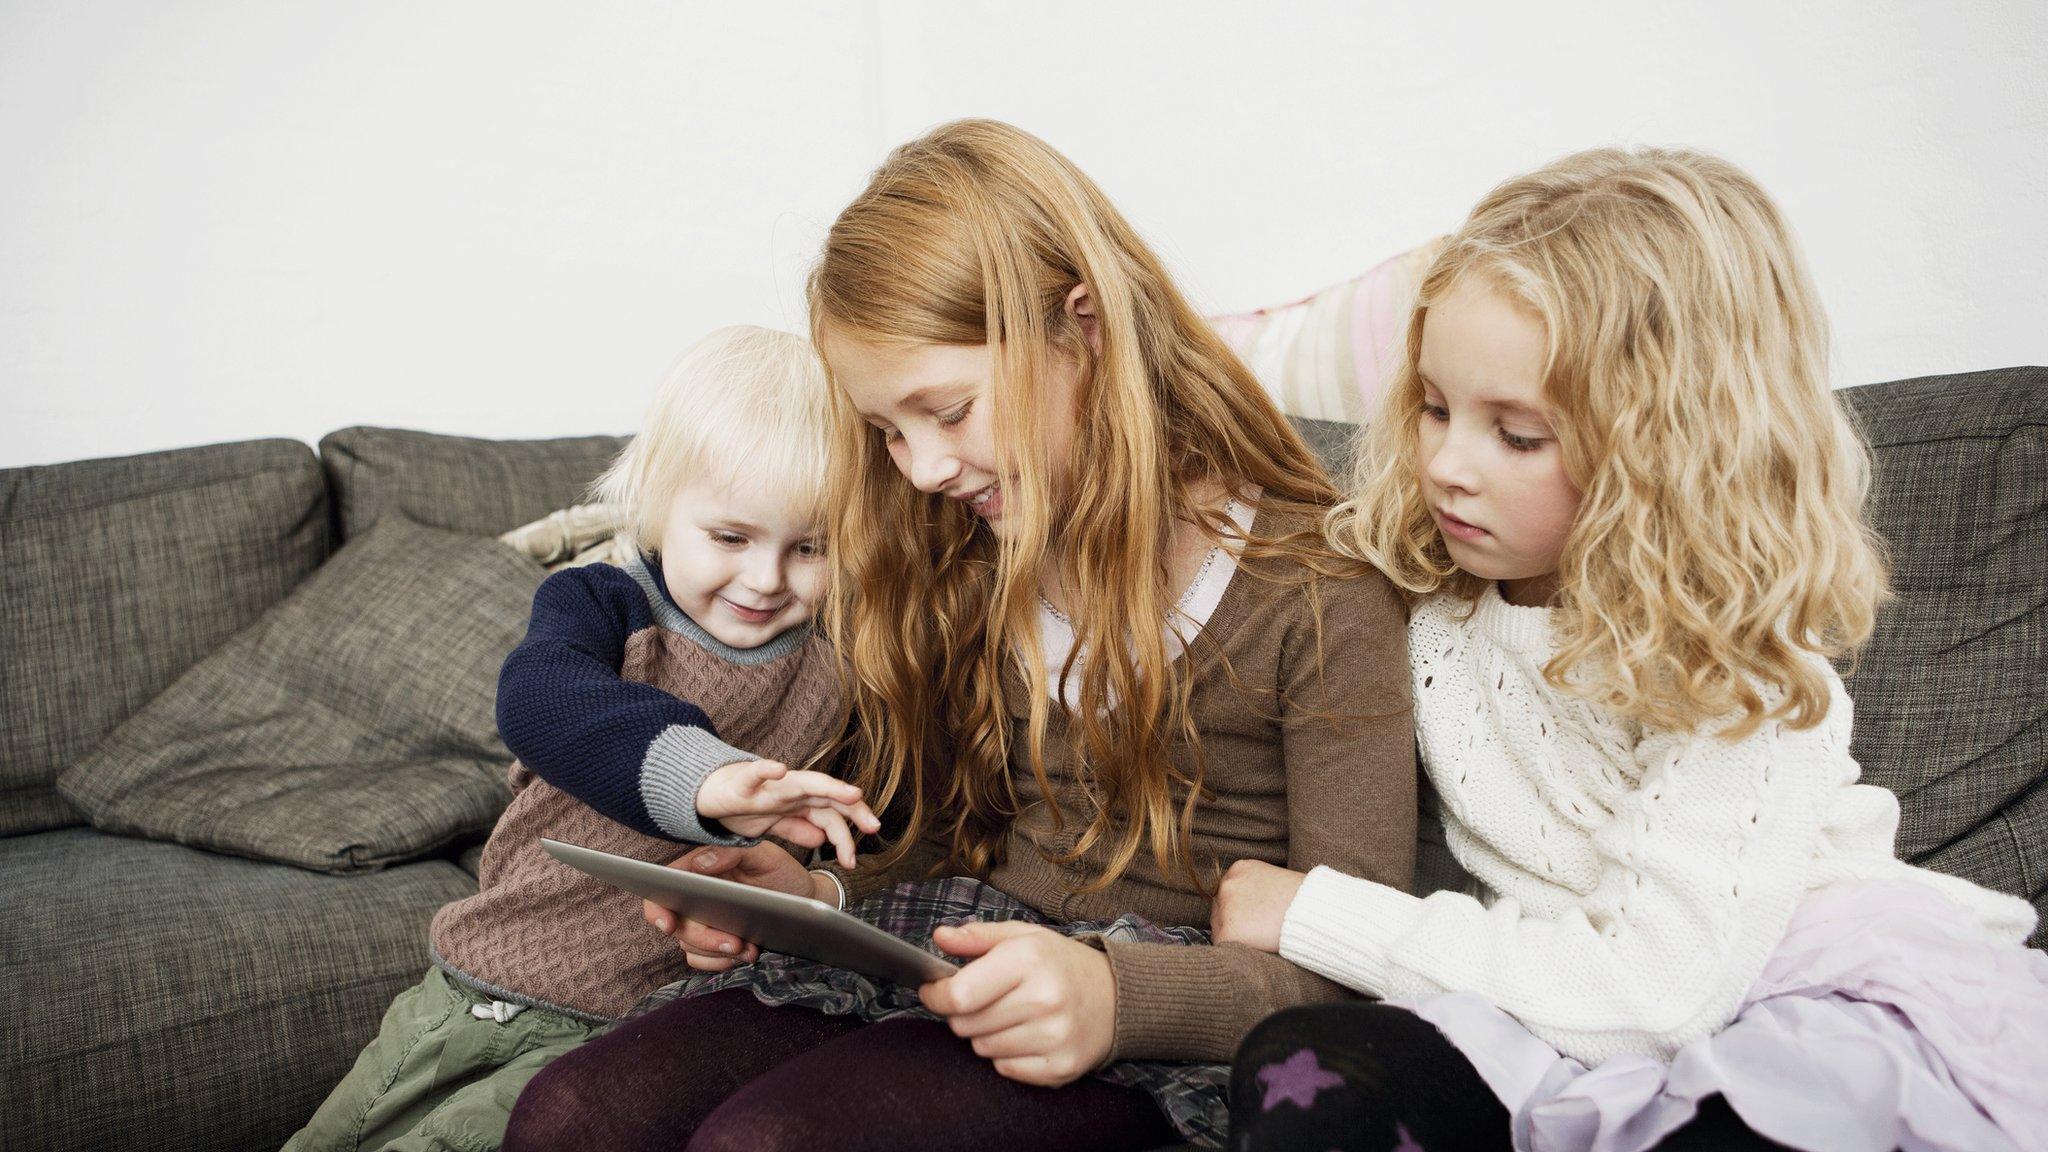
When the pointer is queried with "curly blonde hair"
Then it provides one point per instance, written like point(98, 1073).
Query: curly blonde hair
point(1720, 541)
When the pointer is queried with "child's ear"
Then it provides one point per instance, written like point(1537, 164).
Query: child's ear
point(1081, 306)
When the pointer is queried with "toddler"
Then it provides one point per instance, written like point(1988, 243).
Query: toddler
point(693, 663)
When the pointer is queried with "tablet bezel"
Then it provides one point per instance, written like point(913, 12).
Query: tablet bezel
point(776, 921)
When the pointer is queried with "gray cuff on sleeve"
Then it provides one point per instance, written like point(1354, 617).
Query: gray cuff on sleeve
point(678, 762)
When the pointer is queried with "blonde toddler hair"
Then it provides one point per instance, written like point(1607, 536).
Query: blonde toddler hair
point(744, 406)
point(1720, 540)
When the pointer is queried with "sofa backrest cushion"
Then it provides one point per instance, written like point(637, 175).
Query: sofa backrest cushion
point(1333, 442)
point(478, 487)
point(118, 575)
point(1952, 692)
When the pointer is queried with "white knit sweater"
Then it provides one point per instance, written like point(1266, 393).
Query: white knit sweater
point(1634, 881)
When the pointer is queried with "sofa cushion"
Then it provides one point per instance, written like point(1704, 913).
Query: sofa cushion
point(351, 727)
point(1951, 696)
point(118, 574)
point(162, 998)
point(480, 487)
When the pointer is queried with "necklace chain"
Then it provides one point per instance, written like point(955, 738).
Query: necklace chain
point(1209, 561)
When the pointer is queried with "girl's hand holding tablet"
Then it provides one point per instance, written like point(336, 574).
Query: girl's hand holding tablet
point(762, 797)
point(1040, 1005)
point(764, 866)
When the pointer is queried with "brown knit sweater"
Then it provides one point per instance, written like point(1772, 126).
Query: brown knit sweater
point(1330, 780)
point(541, 933)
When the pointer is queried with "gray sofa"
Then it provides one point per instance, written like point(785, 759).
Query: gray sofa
point(165, 996)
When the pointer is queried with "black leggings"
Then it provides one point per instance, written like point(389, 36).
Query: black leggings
point(726, 1072)
point(1360, 1077)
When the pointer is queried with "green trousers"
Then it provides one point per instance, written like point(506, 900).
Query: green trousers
point(439, 1076)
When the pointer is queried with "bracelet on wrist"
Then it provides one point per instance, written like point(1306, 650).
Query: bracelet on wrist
point(838, 889)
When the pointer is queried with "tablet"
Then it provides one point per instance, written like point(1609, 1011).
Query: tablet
point(777, 921)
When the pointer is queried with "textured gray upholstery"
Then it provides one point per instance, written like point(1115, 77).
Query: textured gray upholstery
point(119, 574)
point(481, 487)
point(166, 998)
point(1952, 692)
point(351, 727)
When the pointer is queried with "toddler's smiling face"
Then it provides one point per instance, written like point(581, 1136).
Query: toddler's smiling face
point(742, 561)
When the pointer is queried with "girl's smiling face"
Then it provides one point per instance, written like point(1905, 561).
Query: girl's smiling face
point(1491, 469)
point(933, 405)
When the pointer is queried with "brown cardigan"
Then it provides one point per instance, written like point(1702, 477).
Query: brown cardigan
point(1323, 772)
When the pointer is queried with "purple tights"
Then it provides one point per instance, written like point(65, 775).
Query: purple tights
point(725, 1071)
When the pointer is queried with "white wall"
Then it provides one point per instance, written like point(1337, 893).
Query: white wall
point(226, 220)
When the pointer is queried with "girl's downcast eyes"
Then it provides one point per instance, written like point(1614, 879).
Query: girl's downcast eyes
point(947, 419)
point(1440, 414)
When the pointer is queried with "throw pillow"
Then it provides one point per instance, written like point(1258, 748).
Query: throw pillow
point(351, 727)
point(1329, 355)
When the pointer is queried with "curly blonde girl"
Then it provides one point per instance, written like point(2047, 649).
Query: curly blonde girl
point(1721, 536)
point(976, 234)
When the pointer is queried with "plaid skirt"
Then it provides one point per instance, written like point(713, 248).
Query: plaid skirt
point(1193, 1096)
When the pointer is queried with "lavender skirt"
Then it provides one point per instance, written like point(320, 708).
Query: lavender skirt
point(1884, 1019)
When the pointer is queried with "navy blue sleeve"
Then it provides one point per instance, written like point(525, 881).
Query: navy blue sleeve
point(630, 750)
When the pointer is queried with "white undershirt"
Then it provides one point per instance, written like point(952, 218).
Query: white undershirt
point(1190, 613)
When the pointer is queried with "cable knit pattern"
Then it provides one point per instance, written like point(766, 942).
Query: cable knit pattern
point(604, 711)
point(1634, 881)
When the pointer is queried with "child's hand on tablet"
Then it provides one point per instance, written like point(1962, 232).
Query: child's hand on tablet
point(1039, 1005)
point(763, 866)
point(762, 797)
